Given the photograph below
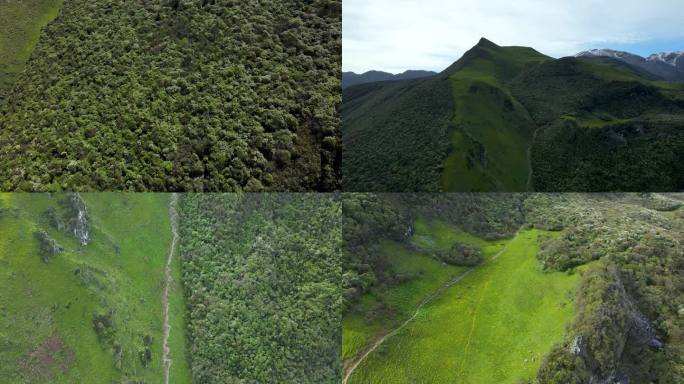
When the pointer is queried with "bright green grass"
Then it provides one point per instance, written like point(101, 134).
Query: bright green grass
point(20, 25)
point(438, 235)
point(492, 327)
point(138, 224)
point(591, 121)
point(431, 274)
point(490, 123)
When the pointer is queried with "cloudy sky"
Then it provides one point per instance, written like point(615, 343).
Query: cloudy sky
point(395, 35)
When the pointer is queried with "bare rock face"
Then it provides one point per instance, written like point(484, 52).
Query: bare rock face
point(78, 218)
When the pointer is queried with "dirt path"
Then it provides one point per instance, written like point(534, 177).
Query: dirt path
point(349, 370)
point(168, 281)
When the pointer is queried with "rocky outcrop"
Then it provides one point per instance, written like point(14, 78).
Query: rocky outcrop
point(47, 246)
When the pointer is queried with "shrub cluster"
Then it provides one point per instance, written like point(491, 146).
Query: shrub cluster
point(261, 274)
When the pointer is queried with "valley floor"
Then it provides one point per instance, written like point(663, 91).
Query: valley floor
point(491, 323)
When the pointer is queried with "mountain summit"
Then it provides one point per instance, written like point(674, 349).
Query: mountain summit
point(667, 66)
point(512, 119)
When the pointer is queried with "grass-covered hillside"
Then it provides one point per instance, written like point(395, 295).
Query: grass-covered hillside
point(262, 276)
point(189, 95)
point(20, 24)
point(516, 120)
point(546, 289)
point(82, 278)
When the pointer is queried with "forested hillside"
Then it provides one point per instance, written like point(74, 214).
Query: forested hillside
point(569, 288)
point(262, 276)
point(511, 119)
point(178, 95)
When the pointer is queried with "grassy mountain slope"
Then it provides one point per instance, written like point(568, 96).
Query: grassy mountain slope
point(386, 307)
point(519, 121)
point(492, 130)
point(20, 25)
point(90, 312)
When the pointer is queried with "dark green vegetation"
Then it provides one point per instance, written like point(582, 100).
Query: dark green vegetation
point(20, 24)
point(396, 134)
point(192, 95)
point(81, 281)
point(262, 277)
point(512, 119)
point(351, 78)
point(590, 289)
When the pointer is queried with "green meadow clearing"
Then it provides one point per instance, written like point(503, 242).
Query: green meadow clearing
point(92, 313)
point(493, 326)
point(403, 299)
point(20, 25)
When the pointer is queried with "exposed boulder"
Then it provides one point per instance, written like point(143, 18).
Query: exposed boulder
point(47, 246)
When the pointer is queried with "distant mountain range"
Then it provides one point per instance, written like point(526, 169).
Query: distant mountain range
point(351, 78)
point(513, 119)
point(667, 66)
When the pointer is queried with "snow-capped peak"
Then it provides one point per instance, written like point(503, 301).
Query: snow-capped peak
point(670, 58)
point(602, 53)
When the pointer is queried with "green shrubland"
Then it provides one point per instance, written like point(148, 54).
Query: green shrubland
point(188, 95)
point(262, 274)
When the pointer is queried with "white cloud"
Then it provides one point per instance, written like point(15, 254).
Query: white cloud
point(395, 35)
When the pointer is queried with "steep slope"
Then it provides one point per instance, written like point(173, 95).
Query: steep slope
point(351, 78)
point(517, 121)
point(395, 134)
point(603, 127)
point(492, 130)
point(81, 287)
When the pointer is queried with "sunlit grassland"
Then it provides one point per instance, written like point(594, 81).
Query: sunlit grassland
point(492, 327)
point(428, 274)
point(130, 239)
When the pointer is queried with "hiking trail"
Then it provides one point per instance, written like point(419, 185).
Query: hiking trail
point(168, 281)
point(425, 301)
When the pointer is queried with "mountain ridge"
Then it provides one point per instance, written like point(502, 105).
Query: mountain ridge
point(351, 78)
point(668, 66)
point(513, 119)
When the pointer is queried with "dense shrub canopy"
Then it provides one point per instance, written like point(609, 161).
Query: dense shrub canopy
point(202, 95)
point(262, 274)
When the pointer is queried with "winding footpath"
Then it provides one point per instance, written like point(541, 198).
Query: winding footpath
point(425, 301)
point(168, 281)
